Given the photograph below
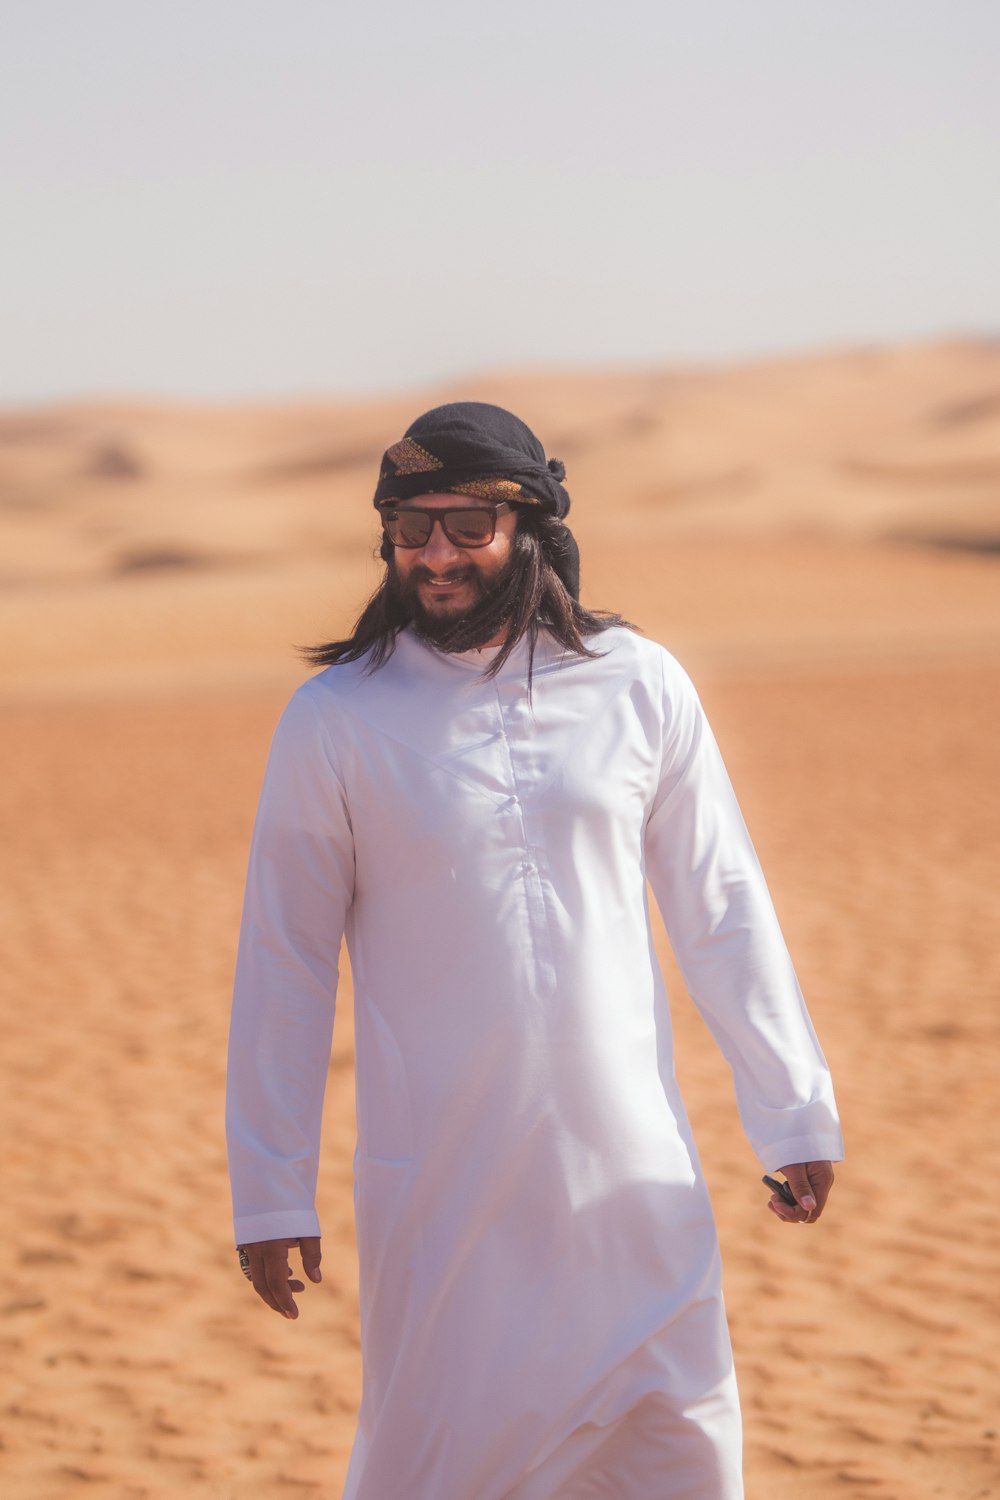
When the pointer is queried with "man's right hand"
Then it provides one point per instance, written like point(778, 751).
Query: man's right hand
point(270, 1273)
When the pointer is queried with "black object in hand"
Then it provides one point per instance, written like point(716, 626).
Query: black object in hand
point(782, 1189)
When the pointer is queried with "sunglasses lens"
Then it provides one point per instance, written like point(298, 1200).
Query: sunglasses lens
point(408, 528)
point(469, 528)
point(463, 528)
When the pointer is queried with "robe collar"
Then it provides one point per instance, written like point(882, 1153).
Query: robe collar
point(475, 660)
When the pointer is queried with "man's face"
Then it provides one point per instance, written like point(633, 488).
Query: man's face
point(441, 581)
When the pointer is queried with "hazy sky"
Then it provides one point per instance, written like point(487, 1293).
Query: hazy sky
point(274, 197)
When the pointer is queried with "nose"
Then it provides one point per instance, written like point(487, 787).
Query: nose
point(437, 551)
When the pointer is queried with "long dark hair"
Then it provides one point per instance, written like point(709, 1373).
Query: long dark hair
point(528, 595)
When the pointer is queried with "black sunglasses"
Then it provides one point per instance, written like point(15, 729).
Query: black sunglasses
point(463, 527)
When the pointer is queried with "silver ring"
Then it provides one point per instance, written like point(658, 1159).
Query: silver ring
point(241, 1251)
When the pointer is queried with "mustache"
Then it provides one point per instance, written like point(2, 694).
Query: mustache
point(421, 574)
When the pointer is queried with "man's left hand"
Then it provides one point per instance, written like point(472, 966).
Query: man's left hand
point(811, 1182)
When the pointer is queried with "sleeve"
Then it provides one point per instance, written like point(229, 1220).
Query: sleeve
point(722, 926)
point(299, 887)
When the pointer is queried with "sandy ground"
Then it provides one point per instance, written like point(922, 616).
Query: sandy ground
point(854, 685)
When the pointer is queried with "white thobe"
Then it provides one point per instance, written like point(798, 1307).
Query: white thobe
point(540, 1283)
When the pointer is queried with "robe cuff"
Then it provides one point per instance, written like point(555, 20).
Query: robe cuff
point(799, 1148)
point(282, 1224)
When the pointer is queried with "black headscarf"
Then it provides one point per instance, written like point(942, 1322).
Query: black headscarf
point(472, 448)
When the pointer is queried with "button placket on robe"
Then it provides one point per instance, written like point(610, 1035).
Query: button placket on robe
point(530, 864)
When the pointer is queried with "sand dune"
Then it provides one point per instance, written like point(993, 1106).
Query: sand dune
point(157, 563)
point(861, 445)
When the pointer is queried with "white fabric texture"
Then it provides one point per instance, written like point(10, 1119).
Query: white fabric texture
point(541, 1303)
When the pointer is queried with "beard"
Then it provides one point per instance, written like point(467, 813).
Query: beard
point(467, 629)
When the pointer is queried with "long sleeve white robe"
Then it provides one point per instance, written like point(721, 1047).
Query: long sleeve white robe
point(541, 1304)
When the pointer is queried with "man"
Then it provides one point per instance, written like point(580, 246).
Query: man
point(476, 790)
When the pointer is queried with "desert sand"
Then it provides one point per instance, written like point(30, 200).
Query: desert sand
point(818, 540)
